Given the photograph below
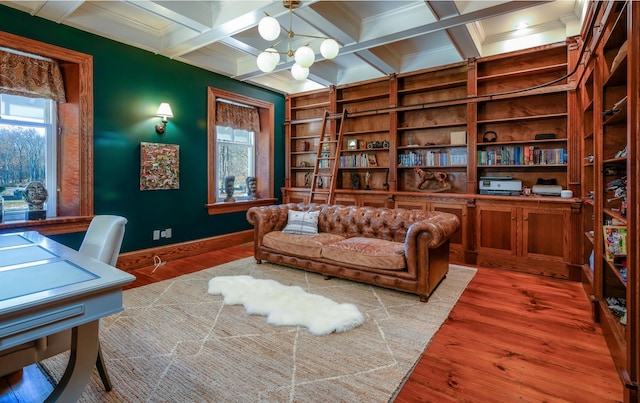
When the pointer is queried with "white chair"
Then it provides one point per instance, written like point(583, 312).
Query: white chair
point(101, 242)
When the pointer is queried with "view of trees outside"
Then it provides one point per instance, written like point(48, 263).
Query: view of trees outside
point(235, 154)
point(22, 160)
point(23, 146)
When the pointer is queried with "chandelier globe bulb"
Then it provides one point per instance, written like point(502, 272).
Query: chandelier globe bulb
point(299, 73)
point(329, 48)
point(304, 56)
point(269, 28)
point(266, 62)
point(274, 53)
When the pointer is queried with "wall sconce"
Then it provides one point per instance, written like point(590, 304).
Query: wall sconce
point(165, 112)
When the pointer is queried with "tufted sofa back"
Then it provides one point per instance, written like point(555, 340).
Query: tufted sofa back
point(368, 222)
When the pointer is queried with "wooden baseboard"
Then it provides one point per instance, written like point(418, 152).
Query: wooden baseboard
point(144, 257)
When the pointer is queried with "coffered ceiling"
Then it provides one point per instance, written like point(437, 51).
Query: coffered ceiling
point(377, 38)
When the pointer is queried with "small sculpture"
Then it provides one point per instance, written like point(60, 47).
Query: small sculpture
point(367, 181)
point(307, 180)
point(35, 195)
point(252, 186)
point(229, 182)
point(424, 176)
point(355, 181)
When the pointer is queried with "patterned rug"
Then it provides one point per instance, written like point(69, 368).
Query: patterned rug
point(174, 342)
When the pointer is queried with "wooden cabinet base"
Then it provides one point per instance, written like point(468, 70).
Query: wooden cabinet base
point(526, 234)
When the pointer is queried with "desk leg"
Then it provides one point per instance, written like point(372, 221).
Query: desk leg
point(84, 350)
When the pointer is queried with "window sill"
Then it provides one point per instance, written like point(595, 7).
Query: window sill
point(244, 205)
point(49, 226)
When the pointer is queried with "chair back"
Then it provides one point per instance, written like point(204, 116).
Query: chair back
point(104, 238)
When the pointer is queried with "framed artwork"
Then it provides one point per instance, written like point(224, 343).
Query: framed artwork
point(159, 166)
point(352, 144)
point(373, 162)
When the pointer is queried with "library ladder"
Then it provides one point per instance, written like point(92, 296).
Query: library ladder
point(324, 184)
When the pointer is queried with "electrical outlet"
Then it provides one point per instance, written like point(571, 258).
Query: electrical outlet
point(168, 232)
point(163, 234)
point(156, 234)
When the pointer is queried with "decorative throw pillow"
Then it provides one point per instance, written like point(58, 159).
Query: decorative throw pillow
point(302, 222)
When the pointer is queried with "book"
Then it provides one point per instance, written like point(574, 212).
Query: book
point(615, 241)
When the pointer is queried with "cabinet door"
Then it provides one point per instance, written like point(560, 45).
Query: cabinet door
point(496, 229)
point(545, 233)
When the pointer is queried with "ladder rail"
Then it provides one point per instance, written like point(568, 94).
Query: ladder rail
point(327, 157)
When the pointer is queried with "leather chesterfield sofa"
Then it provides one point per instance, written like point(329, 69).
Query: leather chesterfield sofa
point(405, 250)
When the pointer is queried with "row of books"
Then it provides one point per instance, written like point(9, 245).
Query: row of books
point(358, 161)
point(431, 158)
point(522, 155)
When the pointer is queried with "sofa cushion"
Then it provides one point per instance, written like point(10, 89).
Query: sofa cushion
point(302, 222)
point(367, 252)
point(303, 245)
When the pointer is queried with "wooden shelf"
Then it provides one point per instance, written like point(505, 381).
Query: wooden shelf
point(432, 166)
point(434, 87)
point(363, 98)
point(525, 72)
point(527, 166)
point(614, 214)
point(622, 160)
point(435, 125)
point(325, 104)
point(360, 132)
point(616, 271)
point(522, 142)
point(524, 118)
point(430, 146)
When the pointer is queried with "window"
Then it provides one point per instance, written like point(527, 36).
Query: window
point(236, 158)
point(239, 150)
point(74, 154)
point(27, 151)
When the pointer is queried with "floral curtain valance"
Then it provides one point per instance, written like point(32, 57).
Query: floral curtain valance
point(237, 116)
point(30, 77)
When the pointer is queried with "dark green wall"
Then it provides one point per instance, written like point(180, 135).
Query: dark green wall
point(129, 84)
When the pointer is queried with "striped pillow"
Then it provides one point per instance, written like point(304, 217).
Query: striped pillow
point(302, 222)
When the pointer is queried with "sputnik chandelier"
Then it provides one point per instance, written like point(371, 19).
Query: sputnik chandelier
point(269, 29)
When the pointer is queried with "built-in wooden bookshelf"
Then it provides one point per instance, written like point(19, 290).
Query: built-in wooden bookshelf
point(609, 116)
point(415, 140)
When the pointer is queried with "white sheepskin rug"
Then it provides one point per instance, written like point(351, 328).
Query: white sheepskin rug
point(286, 305)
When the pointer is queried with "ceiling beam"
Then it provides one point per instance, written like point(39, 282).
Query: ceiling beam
point(446, 23)
point(459, 35)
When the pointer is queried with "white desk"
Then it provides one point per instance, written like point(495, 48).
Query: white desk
point(46, 287)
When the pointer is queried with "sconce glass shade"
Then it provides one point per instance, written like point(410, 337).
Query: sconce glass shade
point(266, 61)
point(298, 72)
point(164, 111)
point(304, 56)
point(269, 28)
point(329, 48)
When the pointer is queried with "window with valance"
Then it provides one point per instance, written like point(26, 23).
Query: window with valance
point(30, 77)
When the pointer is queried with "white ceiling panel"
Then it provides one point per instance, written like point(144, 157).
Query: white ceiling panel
point(377, 38)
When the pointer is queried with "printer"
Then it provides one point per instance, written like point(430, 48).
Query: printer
point(500, 185)
point(547, 190)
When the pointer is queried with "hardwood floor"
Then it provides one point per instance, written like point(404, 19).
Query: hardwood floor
point(511, 336)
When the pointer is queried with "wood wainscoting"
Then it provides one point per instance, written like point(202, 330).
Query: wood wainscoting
point(145, 257)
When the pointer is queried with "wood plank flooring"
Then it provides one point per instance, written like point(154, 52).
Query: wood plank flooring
point(511, 337)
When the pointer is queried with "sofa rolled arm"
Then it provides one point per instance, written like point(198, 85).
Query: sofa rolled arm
point(438, 228)
point(439, 225)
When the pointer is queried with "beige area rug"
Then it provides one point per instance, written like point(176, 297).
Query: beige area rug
point(174, 342)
